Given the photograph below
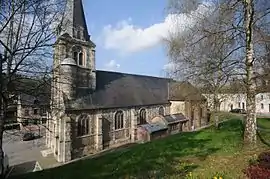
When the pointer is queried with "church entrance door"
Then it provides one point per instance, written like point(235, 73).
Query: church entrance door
point(106, 138)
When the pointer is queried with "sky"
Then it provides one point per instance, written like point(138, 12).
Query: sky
point(122, 32)
point(129, 34)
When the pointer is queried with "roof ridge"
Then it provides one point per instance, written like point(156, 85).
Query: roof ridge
point(132, 74)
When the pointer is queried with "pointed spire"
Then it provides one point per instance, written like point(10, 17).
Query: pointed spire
point(75, 23)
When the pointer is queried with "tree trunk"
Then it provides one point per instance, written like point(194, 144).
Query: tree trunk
point(216, 102)
point(1, 142)
point(1, 118)
point(216, 109)
point(250, 123)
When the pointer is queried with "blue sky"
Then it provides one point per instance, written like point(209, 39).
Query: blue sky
point(129, 34)
point(124, 34)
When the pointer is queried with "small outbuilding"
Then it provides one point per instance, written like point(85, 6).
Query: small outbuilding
point(176, 123)
point(148, 132)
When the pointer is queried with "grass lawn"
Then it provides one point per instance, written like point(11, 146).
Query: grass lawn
point(264, 123)
point(264, 130)
point(206, 153)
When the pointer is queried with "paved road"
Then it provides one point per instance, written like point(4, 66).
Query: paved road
point(20, 151)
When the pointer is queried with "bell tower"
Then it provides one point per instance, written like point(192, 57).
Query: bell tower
point(73, 76)
point(74, 43)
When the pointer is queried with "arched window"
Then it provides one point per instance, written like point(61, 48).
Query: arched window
point(142, 116)
point(161, 111)
point(75, 56)
point(83, 125)
point(119, 120)
point(80, 58)
point(77, 52)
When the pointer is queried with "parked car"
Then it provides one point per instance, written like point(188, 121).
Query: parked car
point(238, 110)
point(28, 136)
point(6, 164)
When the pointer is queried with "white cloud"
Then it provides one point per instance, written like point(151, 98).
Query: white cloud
point(126, 37)
point(169, 66)
point(112, 65)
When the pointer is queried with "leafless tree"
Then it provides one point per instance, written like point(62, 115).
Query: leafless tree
point(206, 51)
point(221, 46)
point(27, 31)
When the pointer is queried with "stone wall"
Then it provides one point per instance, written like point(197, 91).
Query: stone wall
point(104, 135)
point(175, 128)
point(152, 111)
point(67, 145)
point(177, 107)
point(195, 111)
point(86, 144)
point(111, 136)
point(87, 76)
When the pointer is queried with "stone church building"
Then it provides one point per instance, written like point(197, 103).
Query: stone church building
point(94, 110)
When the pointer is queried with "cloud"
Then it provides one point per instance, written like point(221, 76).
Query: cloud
point(176, 71)
point(111, 65)
point(169, 66)
point(126, 37)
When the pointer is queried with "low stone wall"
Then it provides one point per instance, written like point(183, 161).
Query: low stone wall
point(263, 115)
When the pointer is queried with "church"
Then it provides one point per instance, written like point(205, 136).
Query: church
point(93, 110)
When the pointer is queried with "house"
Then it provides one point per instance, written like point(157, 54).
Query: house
point(93, 110)
point(27, 109)
point(233, 100)
point(33, 109)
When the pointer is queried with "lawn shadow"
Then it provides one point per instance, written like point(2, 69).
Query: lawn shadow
point(157, 159)
point(232, 125)
point(23, 168)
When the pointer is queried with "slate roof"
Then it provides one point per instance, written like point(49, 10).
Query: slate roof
point(114, 90)
point(181, 91)
point(154, 127)
point(41, 99)
point(173, 118)
point(79, 18)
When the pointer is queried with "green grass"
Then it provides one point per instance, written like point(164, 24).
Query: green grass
point(206, 153)
point(264, 123)
point(264, 130)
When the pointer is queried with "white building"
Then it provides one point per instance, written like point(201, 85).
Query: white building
point(231, 101)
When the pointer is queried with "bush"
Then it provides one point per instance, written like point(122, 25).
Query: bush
point(259, 169)
point(257, 172)
point(264, 160)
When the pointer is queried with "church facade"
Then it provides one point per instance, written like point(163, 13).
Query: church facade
point(93, 110)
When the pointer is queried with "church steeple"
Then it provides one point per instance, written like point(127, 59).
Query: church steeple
point(74, 75)
point(74, 21)
point(74, 52)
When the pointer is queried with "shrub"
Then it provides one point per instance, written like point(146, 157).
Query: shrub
point(264, 160)
point(259, 169)
point(257, 172)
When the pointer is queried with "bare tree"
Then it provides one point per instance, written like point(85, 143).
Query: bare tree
point(250, 123)
point(233, 28)
point(27, 31)
point(207, 51)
